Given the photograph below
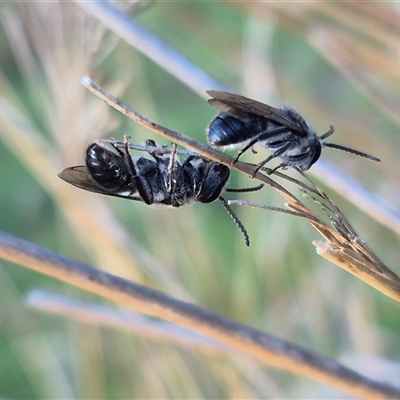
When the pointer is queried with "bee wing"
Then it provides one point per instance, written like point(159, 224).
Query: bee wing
point(80, 177)
point(227, 102)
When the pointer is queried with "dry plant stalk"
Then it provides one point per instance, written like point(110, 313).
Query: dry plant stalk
point(252, 342)
point(294, 19)
point(257, 344)
point(342, 245)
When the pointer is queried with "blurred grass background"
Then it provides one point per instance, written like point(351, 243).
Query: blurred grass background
point(336, 62)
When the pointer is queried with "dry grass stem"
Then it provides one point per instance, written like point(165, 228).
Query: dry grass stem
point(104, 236)
point(252, 342)
point(123, 320)
point(354, 192)
point(292, 17)
point(151, 46)
point(317, 56)
point(351, 253)
point(344, 248)
point(180, 139)
point(271, 208)
point(338, 48)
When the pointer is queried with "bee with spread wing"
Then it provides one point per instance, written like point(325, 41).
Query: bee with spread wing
point(283, 131)
point(111, 170)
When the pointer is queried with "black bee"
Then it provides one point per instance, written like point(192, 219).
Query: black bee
point(113, 171)
point(283, 131)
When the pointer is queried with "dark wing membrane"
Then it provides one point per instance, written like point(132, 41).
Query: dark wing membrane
point(225, 101)
point(80, 177)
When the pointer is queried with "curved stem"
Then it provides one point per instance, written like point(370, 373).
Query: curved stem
point(264, 347)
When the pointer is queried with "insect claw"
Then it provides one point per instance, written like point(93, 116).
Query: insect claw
point(271, 171)
point(235, 160)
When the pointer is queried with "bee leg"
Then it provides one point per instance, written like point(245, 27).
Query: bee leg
point(270, 172)
point(150, 143)
point(173, 157)
point(171, 181)
point(245, 148)
point(261, 164)
point(132, 171)
point(277, 153)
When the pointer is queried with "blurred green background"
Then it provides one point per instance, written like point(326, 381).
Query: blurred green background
point(336, 62)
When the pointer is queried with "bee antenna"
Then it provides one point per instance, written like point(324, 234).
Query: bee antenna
point(245, 190)
point(236, 220)
point(356, 152)
point(327, 134)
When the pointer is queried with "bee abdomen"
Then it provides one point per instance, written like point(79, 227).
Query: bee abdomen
point(108, 169)
point(227, 130)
